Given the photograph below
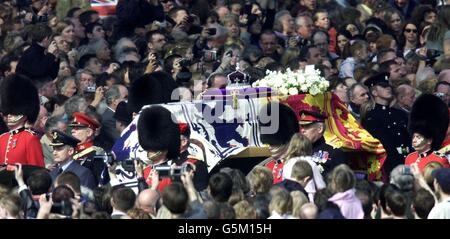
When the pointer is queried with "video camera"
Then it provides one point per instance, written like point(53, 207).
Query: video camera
point(185, 75)
point(173, 172)
point(63, 208)
point(108, 158)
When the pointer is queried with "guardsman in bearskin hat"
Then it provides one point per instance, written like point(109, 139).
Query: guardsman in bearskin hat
point(387, 124)
point(159, 136)
point(278, 124)
point(19, 105)
point(201, 177)
point(83, 128)
point(312, 125)
point(63, 150)
point(428, 125)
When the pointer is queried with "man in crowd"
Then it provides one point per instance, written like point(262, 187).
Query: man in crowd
point(63, 150)
point(358, 94)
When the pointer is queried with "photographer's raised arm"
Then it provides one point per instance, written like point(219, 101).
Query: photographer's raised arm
point(187, 179)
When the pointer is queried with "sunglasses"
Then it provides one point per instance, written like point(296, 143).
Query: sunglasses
point(411, 30)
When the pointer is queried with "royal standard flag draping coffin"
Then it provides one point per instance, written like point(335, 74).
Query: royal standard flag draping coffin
point(343, 131)
point(226, 123)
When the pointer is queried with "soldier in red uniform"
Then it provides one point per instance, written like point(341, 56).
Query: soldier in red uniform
point(160, 137)
point(201, 177)
point(286, 125)
point(83, 129)
point(428, 124)
point(19, 106)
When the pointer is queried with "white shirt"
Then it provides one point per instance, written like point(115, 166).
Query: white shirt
point(440, 210)
point(313, 185)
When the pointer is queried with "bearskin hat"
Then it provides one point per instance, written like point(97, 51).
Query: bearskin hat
point(154, 88)
point(286, 120)
point(18, 96)
point(157, 131)
point(429, 117)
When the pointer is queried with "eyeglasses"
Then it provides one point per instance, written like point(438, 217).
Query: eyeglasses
point(410, 30)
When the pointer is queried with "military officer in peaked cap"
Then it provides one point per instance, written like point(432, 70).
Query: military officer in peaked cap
point(312, 125)
point(387, 124)
point(83, 128)
point(63, 150)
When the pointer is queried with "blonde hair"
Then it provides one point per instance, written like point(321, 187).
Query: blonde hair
point(301, 170)
point(12, 205)
point(299, 145)
point(136, 213)
point(428, 169)
point(244, 210)
point(298, 200)
point(281, 202)
point(260, 179)
point(342, 179)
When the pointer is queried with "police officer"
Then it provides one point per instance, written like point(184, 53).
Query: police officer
point(387, 124)
point(428, 126)
point(312, 125)
point(63, 149)
point(83, 128)
point(20, 144)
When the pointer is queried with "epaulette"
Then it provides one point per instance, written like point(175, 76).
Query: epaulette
point(31, 131)
point(440, 154)
point(83, 153)
point(99, 150)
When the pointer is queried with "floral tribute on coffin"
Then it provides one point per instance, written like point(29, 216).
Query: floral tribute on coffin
point(293, 83)
point(308, 90)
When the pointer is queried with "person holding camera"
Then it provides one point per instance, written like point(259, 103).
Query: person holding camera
point(159, 136)
point(201, 176)
point(63, 150)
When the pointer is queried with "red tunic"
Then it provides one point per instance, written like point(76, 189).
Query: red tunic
point(277, 170)
point(423, 160)
point(21, 146)
point(164, 182)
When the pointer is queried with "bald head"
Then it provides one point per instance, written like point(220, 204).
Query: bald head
point(308, 211)
point(147, 201)
point(444, 76)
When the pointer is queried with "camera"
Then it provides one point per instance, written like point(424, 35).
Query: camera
point(64, 208)
point(406, 170)
point(185, 74)
point(90, 88)
point(209, 56)
point(168, 171)
point(108, 158)
point(185, 63)
point(128, 165)
point(212, 31)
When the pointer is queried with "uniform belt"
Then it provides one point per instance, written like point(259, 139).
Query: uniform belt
point(403, 150)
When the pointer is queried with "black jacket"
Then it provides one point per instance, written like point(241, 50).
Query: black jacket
point(389, 125)
point(332, 157)
point(136, 13)
point(35, 63)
